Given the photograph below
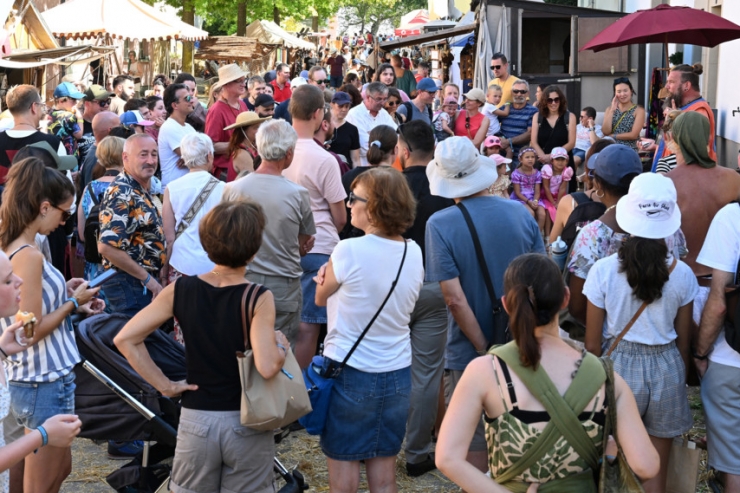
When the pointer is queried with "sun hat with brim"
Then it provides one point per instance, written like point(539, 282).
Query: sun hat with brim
point(67, 90)
point(476, 95)
point(615, 162)
point(459, 170)
point(229, 73)
point(44, 151)
point(649, 210)
point(134, 118)
point(247, 119)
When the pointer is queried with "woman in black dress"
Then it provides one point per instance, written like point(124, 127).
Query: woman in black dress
point(553, 126)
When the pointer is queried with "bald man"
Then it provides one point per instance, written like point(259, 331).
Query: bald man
point(102, 123)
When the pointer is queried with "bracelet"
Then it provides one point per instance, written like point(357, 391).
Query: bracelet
point(146, 281)
point(44, 436)
point(700, 358)
point(280, 346)
point(74, 301)
point(5, 355)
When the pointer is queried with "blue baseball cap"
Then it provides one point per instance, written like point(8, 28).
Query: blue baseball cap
point(341, 97)
point(67, 90)
point(615, 162)
point(426, 84)
point(134, 118)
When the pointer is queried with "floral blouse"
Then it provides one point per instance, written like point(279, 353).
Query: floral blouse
point(130, 221)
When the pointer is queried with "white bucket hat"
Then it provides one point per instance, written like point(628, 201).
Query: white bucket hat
point(459, 170)
point(649, 210)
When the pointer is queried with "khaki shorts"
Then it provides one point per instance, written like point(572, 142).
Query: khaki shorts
point(288, 302)
point(216, 454)
point(451, 379)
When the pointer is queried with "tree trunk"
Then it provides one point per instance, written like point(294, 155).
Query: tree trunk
point(188, 17)
point(276, 15)
point(315, 24)
point(241, 18)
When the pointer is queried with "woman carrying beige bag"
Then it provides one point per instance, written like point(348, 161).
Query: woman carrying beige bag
point(214, 451)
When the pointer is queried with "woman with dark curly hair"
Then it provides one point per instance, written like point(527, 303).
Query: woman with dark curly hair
point(640, 305)
point(554, 126)
point(370, 400)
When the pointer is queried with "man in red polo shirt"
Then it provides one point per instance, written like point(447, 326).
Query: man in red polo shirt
point(281, 85)
point(222, 113)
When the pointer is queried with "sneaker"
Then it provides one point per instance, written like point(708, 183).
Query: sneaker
point(415, 470)
point(124, 450)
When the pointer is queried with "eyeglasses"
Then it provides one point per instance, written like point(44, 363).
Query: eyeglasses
point(553, 100)
point(519, 91)
point(65, 214)
point(399, 131)
point(354, 198)
point(378, 100)
point(496, 67)
point(44, 108)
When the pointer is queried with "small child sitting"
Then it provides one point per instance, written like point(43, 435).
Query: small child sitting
point(527, 186)
point(491, 146)
point(444, 122)
point(500, 187)
point(555, 180)
point(494, 109)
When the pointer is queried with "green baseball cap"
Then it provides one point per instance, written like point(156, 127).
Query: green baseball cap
point(63, 163)
point(97, 93)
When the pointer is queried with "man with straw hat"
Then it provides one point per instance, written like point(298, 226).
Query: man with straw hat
point(223, 113)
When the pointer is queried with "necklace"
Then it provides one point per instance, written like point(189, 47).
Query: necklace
point(610, 208)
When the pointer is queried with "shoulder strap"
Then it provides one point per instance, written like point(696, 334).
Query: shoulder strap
point(621, 117)
point(364, 332)
point(196, 206)
point(95, 199)
point(497, 307)
point(409, 110)
point(10, 257)
point(634, 317)
point(429, 112)
point(249, 300)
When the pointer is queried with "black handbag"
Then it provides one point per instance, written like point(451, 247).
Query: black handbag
point(501, 333)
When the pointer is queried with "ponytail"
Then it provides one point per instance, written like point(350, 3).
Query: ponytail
point(644, 262)
point(382, 142)
point(29, 183)
point(534, 294)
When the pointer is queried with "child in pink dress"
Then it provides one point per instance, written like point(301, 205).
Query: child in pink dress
point(555, 180)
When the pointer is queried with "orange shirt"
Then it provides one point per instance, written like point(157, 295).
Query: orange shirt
point(701, 106)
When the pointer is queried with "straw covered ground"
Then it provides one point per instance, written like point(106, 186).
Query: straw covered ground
point(90, 463)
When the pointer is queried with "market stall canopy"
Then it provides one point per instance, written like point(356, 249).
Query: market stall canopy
point(232, 48)
point(269, 33)
point(424, 38)
point(411, 23)
point(123, 19)
point(68, 55)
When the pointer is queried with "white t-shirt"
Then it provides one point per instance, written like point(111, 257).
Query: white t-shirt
point(488, 111)
point(188, 256)
point(607, 288)
point(360, 117)
point(583, 139)
point(721, 251)
point(170, 136)
point(365, 268)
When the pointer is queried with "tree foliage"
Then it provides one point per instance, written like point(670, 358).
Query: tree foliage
point(368, 15)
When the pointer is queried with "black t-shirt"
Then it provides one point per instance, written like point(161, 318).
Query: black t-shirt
point(350, 231)
point(211, 322)
point(310, 62)
point(250, 106)
point(347, 139)
point(9, 146)
point(87, 141)
point(426, 203)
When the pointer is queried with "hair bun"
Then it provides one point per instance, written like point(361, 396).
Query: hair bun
point(698, 68)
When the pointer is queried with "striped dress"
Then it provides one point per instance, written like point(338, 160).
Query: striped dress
point(55, 355)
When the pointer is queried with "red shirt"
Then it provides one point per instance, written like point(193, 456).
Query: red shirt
point(219, 116)
point(336, 63)
point(280, 95)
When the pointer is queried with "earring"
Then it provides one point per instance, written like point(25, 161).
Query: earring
point(602, 193)
point(43, 215)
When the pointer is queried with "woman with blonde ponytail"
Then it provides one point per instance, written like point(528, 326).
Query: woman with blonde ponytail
point(494, 386)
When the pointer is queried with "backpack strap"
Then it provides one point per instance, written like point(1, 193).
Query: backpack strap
point(95, 199)
point(563, 410)
point(409, 110)
point(196, 206)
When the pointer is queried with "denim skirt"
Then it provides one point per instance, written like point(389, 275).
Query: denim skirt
point(367, 414)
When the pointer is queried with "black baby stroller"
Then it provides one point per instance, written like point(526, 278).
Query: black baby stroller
point(105, 378)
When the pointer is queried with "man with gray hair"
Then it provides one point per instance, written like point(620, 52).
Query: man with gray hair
point(289, 226)
point(255, 87)
point(370, 114)
point(517, 127)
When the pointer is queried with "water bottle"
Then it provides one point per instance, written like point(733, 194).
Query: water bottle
point(559, 252)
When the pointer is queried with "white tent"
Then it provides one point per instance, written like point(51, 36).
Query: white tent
point(269, 33)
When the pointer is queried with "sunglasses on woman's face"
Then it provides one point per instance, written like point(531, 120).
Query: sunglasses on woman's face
point(392, 103)
point(65, 214)
point(354, 198)
point(553, 100)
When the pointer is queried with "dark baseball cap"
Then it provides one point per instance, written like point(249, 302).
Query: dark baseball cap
point(615, 162)
point(43, 150)
point(264, 100)
point(341, 97)
point(97, 93)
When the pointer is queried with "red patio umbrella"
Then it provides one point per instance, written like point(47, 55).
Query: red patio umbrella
point(666, 24)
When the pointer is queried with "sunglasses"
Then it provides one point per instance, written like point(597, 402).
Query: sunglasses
point(496, 67)
point(323, 82)
point(467, 122)
point(621, 80)
point(354, 198)
point(187, 98)
point(65, 214)
point(103, 104)
point(553, 100)
point(392, 103)
point(519, 91)
point(399, 131)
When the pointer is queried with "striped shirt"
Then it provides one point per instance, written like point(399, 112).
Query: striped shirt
point(517, 123)
point(55, 355)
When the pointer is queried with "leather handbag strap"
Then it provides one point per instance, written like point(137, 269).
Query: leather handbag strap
point(634, 318)
point(497, 307)
point(364, 332)
point(196, 206)
point(249, 300)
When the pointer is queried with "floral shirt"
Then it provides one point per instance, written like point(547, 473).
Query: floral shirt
point(64, 125)
point(597, 240)
point(130, 221)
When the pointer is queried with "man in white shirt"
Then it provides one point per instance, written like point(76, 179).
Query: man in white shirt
point(587, 132)
point(177, 101)
point(716, 361)
point(369, 115)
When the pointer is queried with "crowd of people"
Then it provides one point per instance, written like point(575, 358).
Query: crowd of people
point(317, 192)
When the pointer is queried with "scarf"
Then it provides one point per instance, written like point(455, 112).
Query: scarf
point(691, 133)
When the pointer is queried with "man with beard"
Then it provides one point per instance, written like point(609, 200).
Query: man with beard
point(683, 85)
point(123, 87)
point(264, 106)
point(502, 77)
point(316, 170)
point(517, 127)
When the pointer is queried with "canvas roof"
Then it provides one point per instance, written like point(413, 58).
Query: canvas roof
point(269, 33)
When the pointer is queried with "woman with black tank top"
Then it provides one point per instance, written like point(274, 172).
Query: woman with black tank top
point(214, 451)
point(554, 126)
